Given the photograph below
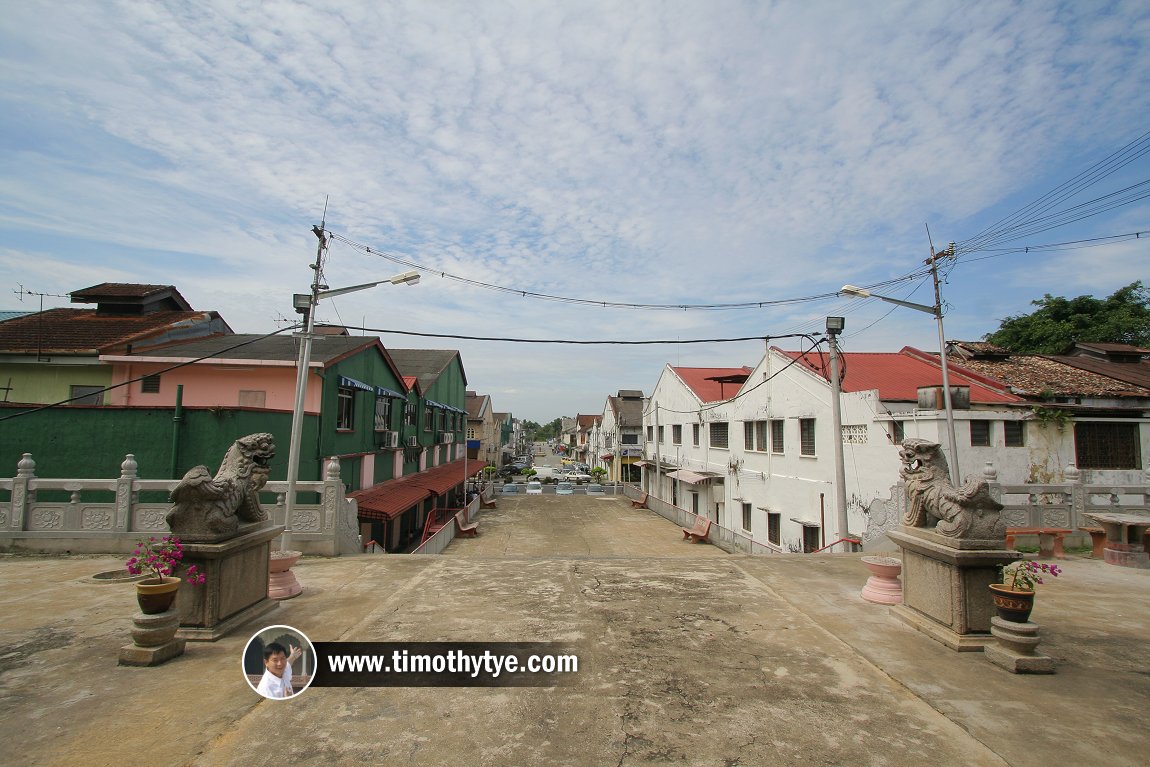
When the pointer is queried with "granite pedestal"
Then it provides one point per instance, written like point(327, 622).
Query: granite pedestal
point(236, 589)
point(945, 585)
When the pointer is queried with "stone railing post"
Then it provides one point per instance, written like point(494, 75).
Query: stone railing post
point(333, 492)
point(22, 496)
point(1078, 497)
point(125, 494)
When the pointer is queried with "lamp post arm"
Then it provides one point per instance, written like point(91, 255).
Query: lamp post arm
point(931, 310)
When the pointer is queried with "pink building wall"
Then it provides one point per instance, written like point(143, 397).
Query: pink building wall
point(212, 385)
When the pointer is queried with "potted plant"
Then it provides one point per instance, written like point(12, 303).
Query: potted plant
point(1014, 596)
point(158, 559)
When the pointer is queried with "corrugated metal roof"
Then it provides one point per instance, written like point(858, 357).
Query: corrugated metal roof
point(897, 375)
point(425, 364)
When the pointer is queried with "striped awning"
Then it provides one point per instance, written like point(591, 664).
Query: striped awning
point(351, 383)
point(691, 477)
point(381, 391)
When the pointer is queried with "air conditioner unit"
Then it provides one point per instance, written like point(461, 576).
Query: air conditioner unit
point(446, 437)
point(413, 441)
point(387, 438)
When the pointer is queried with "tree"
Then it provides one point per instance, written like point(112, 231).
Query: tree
point(1058, 323)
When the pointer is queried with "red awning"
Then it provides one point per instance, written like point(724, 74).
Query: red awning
point(389, 499)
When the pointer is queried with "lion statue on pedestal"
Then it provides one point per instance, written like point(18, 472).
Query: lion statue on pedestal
point(212, 508)
point(932, 502)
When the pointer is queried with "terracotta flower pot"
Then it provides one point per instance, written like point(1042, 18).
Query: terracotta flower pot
point(1013, 606)
point(157, 595)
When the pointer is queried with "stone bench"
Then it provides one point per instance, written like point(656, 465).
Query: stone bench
point(466, 530)
point(699, 531)
point(640, 502)
point(1049, 539)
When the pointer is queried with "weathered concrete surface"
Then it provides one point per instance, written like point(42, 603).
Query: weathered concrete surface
point(687, 656)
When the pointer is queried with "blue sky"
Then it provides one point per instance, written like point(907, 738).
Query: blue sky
point(648, 152)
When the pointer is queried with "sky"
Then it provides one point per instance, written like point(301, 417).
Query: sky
point(678, 154)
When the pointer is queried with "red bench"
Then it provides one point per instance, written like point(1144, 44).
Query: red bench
point(698, 533)
point(640, 502)
point(1049, 539)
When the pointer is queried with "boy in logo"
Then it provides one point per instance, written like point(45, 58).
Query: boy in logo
point(276, 682)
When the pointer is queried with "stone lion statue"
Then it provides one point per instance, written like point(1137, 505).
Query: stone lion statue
point(933, 502)
point(206, 507)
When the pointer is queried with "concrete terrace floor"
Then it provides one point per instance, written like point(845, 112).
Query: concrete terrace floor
point(688, 656)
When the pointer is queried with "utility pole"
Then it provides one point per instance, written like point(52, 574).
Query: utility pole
point(933, 262)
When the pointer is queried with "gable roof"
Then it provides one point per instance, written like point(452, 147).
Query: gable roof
point(713, 384)
point(1134, 374)
point(131, 298)
point(898, 375)
point(477, 405)
point(426, 364)
point(587, 421)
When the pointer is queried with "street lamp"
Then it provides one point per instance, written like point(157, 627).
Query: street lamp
point(936, 311)
point(306, 303)
point(835, 325)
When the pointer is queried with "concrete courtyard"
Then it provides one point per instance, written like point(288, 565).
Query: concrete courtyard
point(688, 656)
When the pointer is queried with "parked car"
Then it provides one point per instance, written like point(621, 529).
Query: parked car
point(570, 474)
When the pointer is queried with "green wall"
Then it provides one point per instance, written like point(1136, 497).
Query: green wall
point(86, 442)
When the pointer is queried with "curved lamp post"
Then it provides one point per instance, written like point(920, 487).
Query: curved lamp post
point(936, 311)
point(307, 303)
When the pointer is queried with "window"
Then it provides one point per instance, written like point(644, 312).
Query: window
point(777, 436)
point(774, 525)
point(718, 435)
point(86, 395)
point(662, 437)
point(980, 433)
point(252, 398)
point(695, 434)
point(650, 433)
point(345, 409)
point(897, 432)
point(1015, 432)
point(628, 439)
point(806, 436)
point(1100, 445)
point(761, 436)
point(676, 435)
point(409, 413)
point(695, 504)
point(428, 418)
point(471, 432)
point(747, 517)
point(382, 413)
point(150, 384)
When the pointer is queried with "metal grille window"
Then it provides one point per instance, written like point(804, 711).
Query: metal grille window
point(718, 435)
point(695, 434)
point(898, 432)
point(1015, 433)
point(409, 413)
point(747, 517)
point(748, 435)
point(382, 413)
point(662, 436)
point(1107, 445)
point(345, 409)
point(806, 436)
point(150, 384)
point(650, 433)
point(980, 433)
point(774, 525)
point(676, 435)
point(628, 439)
point(777, 437)
point(428, 418)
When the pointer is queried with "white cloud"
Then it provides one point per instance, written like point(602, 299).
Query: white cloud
point(642, 153)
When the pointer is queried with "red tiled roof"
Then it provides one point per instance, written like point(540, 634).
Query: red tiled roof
point(898, 375)
point(73, 331)
point(389, 499)
point(703, 381)
point(587, 421)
